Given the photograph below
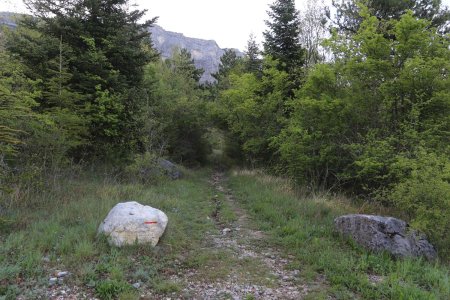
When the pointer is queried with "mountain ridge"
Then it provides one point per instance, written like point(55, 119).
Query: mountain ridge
point(206, 53)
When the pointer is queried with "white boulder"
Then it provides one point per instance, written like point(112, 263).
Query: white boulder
point(131, 222)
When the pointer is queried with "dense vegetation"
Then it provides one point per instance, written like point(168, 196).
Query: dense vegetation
point(371, 120)
point(357, 103)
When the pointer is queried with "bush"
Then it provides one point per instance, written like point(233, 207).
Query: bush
point(425, 197)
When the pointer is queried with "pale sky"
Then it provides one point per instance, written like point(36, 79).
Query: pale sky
point(228, 22)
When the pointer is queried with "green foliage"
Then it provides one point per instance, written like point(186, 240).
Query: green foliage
point(90, 72)
point(17, 99)
point(176, 121)
point(365, 121)
point(229, 63)
point(252, 60)
point(29, 140)
point(282, 41)
point(145, 169)
point(425, 196)
point(110, 289)
point(253, 109)
point(348, 17)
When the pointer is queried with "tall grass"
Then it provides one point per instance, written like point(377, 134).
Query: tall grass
point(303, 227)
point(58, 231)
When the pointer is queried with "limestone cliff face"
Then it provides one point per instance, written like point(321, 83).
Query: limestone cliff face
point(206, 53)
point(7, 19)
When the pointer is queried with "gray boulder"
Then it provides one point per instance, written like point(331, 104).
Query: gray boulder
point(378, 233)
point(169, 169)
point(157, 168)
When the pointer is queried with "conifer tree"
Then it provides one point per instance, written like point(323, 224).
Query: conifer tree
point(229, 61)
point(252, 54)
point(104, 47)
point(282, 37)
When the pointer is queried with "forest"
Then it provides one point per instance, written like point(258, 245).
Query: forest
point(350, 100)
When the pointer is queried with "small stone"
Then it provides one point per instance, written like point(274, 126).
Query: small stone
point(52, 281)
point(137, 285)
point(226, 231)
point(62, 274)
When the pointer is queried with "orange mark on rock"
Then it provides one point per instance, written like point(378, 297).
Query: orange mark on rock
point(151, 222)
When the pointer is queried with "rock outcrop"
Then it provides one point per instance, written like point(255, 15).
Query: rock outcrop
point(378, 233)
point(8, 19)
point(206, 53)
point(130, 222)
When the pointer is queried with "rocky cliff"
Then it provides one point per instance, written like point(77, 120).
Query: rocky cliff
point(7, 19)
point(206, 53)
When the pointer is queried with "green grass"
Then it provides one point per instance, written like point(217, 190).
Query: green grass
point(303, 227)
point(60, 233)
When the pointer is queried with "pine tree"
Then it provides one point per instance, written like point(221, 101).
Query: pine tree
point(252, 54)
point(229, 62)
point(183, 63)
point(282, 37)
point(105, 48)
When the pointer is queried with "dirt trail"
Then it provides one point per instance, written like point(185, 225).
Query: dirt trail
point(260, 272)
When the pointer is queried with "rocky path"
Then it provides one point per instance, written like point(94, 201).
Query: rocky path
point(260, 271)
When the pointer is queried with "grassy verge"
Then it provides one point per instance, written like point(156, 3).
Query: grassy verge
point(59, 233)
point(303, 227)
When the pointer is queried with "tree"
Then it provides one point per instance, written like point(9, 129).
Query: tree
point(313, 31)
point(375, 121)
point(253, 62)
point(182, 62)
point(254, 110)
point(99, 48)
point(282, 40)
point(175, 119)
point(348, 17)
point(229, 62)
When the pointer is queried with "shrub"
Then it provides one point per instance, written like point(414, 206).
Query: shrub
point(425, 197)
